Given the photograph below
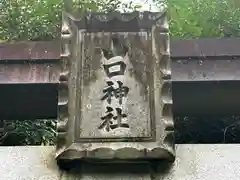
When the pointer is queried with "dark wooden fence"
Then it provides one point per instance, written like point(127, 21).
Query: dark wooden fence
point(205, 72)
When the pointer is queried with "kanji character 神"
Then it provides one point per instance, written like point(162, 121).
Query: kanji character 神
point(118, 93)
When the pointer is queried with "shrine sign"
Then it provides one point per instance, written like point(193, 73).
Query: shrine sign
point(115, 100)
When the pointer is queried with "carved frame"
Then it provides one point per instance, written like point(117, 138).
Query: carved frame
point(154, 147)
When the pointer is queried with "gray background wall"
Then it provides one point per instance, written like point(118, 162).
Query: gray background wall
point(194, 162)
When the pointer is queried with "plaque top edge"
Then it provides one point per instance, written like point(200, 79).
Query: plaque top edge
point(124, 17)
point(119, 22)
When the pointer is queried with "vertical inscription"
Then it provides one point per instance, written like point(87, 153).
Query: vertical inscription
point(115, 92)
point(116, 75)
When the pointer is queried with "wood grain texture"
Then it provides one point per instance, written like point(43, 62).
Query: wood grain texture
point(29, 73)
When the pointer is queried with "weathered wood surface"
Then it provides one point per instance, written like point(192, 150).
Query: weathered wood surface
point(29, 72)
point(219, 69)
point(30, 51)
point(198, 162)
point(192, 60)
point(182, 70)
point(204, 47)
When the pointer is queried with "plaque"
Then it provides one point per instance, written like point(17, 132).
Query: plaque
point(115, 99)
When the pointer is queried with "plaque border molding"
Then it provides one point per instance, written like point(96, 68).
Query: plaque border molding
point(70, 149)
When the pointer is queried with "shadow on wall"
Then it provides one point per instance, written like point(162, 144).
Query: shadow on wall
point(188, 130)
point(207, 130)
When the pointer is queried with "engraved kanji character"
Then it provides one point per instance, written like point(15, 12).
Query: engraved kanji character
point(107, 120)
point(109, 92)
point(121, 91)
point(118, 118)
point(118, 93)
point(115, 69)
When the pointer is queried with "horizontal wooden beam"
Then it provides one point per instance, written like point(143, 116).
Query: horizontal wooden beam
point(33, 72)
point(30, 50)
point(205, 47)
point(206, 87)
point(205, 82)
point(209, 87)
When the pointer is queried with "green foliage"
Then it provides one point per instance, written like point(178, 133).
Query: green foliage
point(204, 18)
point(28, 132)
point(23, 20)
